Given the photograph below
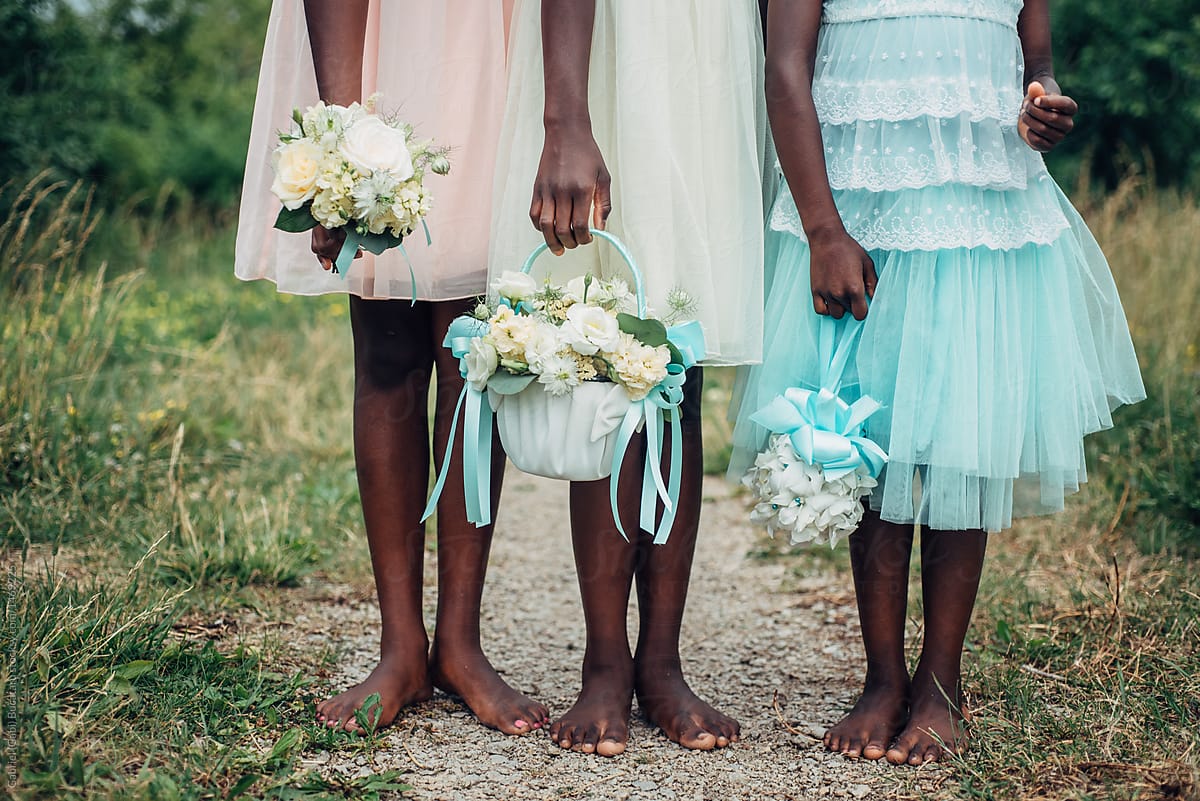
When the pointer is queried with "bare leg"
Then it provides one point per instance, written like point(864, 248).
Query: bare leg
point(392, 360)
point(951, 565)
point(457, 662)
point(599, 720)
point(662, 582)
point(879, 554)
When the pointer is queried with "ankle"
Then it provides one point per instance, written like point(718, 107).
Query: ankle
point(608, 668)
point(890, 680)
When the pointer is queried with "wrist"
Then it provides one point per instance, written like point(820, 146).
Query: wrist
point(570, 122)
point(823, 231)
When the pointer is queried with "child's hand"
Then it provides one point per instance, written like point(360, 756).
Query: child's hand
point(842, 274)
point(327, 245)
point(572, 188)
point(1046, 116)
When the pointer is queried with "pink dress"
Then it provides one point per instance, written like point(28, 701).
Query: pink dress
point(438, 65)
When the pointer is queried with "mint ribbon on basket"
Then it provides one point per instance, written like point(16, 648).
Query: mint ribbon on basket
point(655, 410)
point(477, 433)
point(823, 429)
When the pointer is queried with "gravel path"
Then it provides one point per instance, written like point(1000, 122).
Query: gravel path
point(755, 637)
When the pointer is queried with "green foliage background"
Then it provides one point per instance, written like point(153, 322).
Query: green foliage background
point(132, 95)
point(135, 95)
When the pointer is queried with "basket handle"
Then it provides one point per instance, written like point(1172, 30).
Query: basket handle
point(621, 249)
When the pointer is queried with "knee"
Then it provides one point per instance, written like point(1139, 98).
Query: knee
point(388, 358)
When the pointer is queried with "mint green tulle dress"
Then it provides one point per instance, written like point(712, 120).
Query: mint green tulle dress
point(996, 340)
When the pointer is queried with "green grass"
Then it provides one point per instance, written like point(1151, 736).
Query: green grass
point(161, 461)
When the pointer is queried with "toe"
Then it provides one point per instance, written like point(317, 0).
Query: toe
point(610, 746)
point(591, 736)
point(933, 753)
point(900, 751)
point(875, 749)
point(697, 739)
point(566, 736)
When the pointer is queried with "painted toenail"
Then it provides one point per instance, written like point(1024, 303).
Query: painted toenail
point(520, 724)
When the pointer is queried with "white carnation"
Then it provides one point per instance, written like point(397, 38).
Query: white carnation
point(510, 333)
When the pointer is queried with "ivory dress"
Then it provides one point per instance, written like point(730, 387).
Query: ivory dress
point(996, 340)
point(675, 91)
point(438, 65)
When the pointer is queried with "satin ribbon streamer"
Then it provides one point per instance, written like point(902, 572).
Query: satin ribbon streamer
point(477, 433)
point(661, 405)
point(823, 429)
point(377, 244)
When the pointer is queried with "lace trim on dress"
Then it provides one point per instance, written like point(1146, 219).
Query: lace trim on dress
point(910, 154)
point(841, 103)
point(1004, 12)
point(890, 223)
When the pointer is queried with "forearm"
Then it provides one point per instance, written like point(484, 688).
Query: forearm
point(337, 30)
point(794, 122)
point(566, 53)
point(1033, 27)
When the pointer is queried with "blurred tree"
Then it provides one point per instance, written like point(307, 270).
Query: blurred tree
point(1135, 70)
point(131, 94)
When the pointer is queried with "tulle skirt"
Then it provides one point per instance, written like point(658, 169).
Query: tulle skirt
point(438, 65)
point(677, 109)
point(992, 365)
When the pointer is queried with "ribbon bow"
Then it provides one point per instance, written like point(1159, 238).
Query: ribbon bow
point(825, 430)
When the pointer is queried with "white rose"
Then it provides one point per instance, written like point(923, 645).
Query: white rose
point(515, 285)
point(371, 144)
point(481, 361)
point(297, 167)
point(589, 329)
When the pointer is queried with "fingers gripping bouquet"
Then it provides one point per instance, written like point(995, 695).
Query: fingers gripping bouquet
point(572, 373)
point(346, 167)
point(818, 464)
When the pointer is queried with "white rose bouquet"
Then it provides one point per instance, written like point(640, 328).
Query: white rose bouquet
point(818, 464)
point(346, 167)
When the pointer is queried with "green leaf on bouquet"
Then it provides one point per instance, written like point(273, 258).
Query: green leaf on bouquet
point(378, 243)
point(676, 356)
point(509, 384)
point(296, 221)
point(648, 332)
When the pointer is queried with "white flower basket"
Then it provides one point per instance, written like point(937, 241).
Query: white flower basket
point(570, 437)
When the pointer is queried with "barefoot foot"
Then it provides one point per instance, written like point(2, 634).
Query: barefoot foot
point(936, 726)
point(872, 724)
point(670, 704)
point(598, 723)
point(467, 674)
point(397, 683)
